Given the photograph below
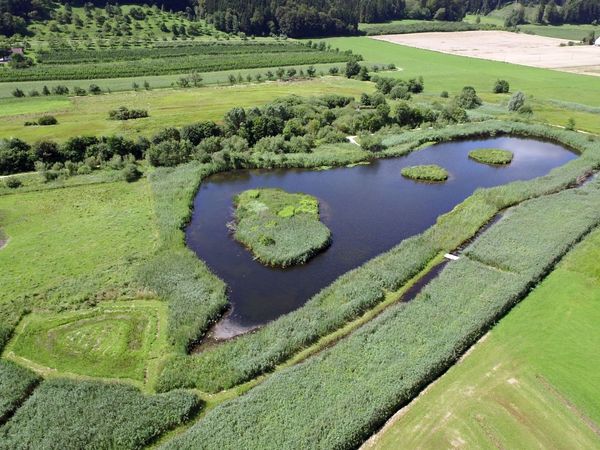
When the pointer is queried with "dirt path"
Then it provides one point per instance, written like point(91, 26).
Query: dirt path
point(515, 48)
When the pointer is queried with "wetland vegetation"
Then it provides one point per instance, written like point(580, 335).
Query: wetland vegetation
point(122, 283)
point(279, 228)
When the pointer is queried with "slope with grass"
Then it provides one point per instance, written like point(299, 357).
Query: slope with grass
point(279, 228)
point(530, 383)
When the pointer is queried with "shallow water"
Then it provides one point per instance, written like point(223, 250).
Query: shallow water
point(369, 209)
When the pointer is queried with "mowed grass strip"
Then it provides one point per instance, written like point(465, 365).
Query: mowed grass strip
point(168, 107)
point(531, 383)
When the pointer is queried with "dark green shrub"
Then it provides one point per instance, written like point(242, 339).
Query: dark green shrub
point(517, 101)
point(131, 173)
point(468, 98)
point(501, 87)
point(13, 183)
point(18, 93)
point(14, 156)
point(47, 120)
point(371, 143)
point(168, 153)
point(195, 133)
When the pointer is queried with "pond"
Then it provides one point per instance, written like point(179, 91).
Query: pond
point(368, 209)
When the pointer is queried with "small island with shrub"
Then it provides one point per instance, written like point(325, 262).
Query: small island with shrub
point(279, 228)
point(430, 173)
point(492, 156)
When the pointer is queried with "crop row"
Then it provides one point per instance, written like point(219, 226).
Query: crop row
point(124, 54)
point(164, 66)
point(338, 398)
point(69, 414)
point(352, 294)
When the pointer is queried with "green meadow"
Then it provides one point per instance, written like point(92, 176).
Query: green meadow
point(166, 107)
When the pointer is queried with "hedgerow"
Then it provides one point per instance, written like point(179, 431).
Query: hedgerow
point(423, 27)
point(354, 293)
point(16, 384)
point(67, 414)
point(386, 363)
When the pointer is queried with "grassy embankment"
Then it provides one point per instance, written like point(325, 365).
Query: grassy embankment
point(531, 382)
point(431, 173)
point(492, 156)
point(168, 107)
point(279, 228)
point(443, 72)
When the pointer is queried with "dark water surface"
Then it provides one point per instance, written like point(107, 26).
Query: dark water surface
point(368, 209)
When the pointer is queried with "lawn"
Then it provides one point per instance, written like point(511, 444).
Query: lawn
point(531, 383)
point(166, 107)
point(75, 245)
point(444, 72)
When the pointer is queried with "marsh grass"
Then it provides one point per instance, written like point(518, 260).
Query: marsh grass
point(492, 156)
point(279, 228)
point(430, 173)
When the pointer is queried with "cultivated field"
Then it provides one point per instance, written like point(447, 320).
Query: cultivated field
point(523, 49)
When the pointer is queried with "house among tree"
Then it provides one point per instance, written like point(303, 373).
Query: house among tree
point(13, 51)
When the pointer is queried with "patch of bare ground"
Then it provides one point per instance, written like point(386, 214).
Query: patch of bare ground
point(514, 48)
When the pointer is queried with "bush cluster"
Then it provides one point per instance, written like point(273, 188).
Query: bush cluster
point(43, 121)
point(124, 113)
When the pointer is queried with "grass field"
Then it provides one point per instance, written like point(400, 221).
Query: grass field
point(75, 245)
point(167, 107)
point(114, 340)
point(532, 383)
point(443, 72)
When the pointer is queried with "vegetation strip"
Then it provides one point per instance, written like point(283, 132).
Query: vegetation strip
point(396, 355)
point(16, 384)
point(354, 293)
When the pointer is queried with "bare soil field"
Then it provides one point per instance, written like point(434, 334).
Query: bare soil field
point(515, 48)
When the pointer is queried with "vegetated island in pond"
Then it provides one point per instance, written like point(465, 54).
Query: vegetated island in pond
point(279, 228)
point(492, 156)
point(429, 173)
